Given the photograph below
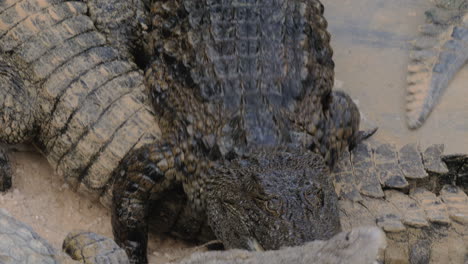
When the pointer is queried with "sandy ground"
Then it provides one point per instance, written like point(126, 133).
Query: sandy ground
point(43, 200)
point(370, 40)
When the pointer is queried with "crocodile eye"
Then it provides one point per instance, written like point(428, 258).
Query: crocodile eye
point(274, 205)
point(314, 196)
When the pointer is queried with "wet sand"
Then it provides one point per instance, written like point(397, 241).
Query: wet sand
point(370, 42)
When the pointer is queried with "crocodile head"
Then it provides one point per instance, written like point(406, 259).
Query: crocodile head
point(271, 199)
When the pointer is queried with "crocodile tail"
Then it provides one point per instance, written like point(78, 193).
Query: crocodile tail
point(436, 56)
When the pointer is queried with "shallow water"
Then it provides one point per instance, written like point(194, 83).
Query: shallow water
point(370, 39)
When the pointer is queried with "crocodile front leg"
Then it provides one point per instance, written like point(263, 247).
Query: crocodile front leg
point(143, 175)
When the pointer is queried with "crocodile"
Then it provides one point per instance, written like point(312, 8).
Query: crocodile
point(239, 166)
point(359, 246)
point(380, 186)
point(437, 54)
point(243, 95)
point(248, 115)
point(418, 201)
point(19, 243)
point(418, 198)
point(64, 88)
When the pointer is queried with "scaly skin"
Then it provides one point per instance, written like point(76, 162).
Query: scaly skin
point(20, 244)
point(233, 156)
point(124, 23)
point(243, 92)
point(428, 225)
point(436, 56)
point(71, 93)
point(406, 193)
point(240, 112)
point(359, 246)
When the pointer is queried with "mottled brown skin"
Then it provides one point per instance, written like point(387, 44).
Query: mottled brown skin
point(405, 192)
point(243, 92)
point(227, 83)
point(67, 90)
point(124, 23)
